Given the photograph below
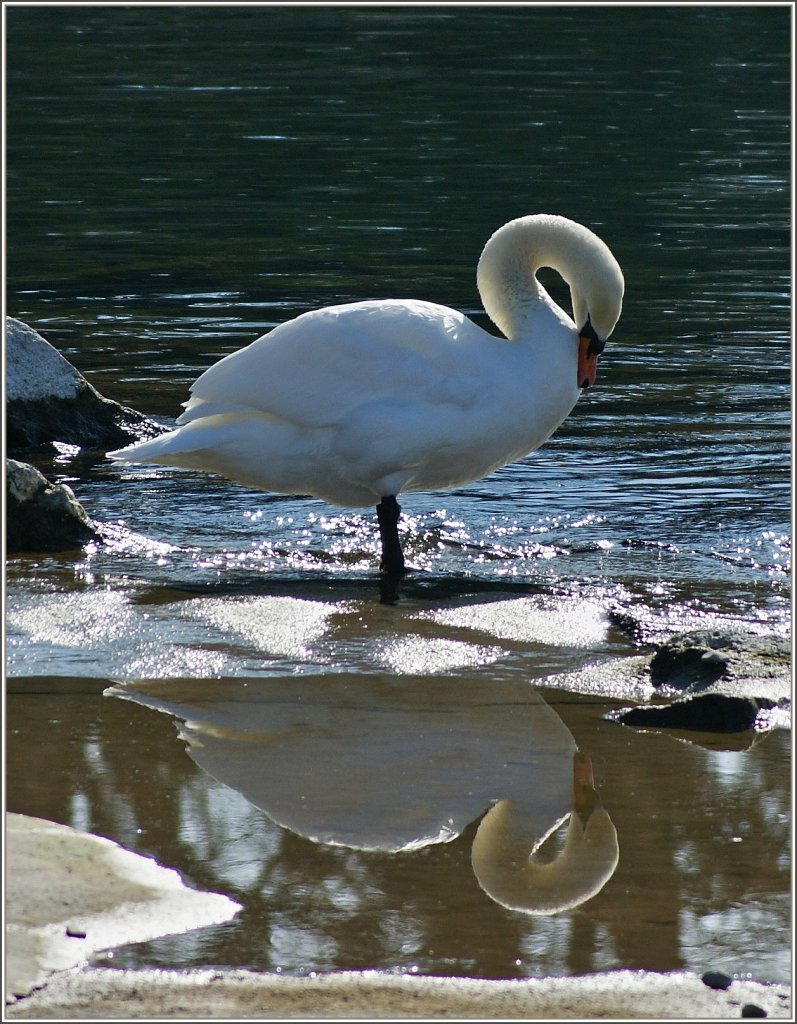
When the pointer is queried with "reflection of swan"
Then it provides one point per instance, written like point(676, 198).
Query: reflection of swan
point(357, 403)
point(396, 763)
point(502, 856)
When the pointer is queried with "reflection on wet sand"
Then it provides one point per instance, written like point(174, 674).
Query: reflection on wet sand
point(395, 764)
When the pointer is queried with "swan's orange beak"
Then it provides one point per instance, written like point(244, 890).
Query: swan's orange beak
point(587, 363)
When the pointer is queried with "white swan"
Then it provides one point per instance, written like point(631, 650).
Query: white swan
point(359, 402)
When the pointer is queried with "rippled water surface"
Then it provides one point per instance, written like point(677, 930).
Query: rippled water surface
point(182, 179)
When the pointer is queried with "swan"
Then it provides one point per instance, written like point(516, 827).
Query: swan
point(502, 858)
point(357, 403)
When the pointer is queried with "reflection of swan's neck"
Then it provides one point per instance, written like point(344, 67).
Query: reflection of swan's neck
point(504, 868)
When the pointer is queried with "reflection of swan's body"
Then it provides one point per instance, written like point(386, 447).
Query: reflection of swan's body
point(397, 763)
point(503, 860)
point(357, 403)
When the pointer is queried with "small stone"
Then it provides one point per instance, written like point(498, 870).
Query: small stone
point(717, 980)
point(751, 1010)
point(699, 660)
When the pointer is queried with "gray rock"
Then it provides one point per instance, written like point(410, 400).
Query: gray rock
point(717, 980)
point(48, 400)
point(728, 681)
point(41, 516)
point(701, 659)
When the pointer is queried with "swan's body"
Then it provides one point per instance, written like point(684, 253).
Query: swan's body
point(357, 403)
point(351, 403)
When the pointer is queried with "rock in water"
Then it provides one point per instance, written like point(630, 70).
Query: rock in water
point(48, 400)
point(41, 516)
point(696, 660)
point(708, 712)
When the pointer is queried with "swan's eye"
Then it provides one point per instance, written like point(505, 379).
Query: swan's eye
point(596, 344)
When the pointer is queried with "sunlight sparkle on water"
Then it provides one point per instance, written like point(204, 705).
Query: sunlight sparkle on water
point(532, 619)
point(420, 655)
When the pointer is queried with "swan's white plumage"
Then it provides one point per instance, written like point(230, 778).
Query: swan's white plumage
point(354, 402)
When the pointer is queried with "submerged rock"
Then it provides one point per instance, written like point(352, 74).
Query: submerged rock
point(42, 516)
point(48, 400)
point(709, 712)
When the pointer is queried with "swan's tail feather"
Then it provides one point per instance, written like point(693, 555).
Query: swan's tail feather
point(227, 444)
point(181, 447)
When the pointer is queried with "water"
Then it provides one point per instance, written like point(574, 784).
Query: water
point(180, 180)
point(703, 880)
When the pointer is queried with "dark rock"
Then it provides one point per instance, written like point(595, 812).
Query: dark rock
point(751, 1010)
point(717, 980)
point(709, 712)
point(690, 661)
point(41, 516)
point(48, 400)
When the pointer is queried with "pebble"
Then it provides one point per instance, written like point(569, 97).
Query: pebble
point(717, 980)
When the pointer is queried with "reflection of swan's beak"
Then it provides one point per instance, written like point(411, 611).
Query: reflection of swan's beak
point(503, 854)
point(585, 798)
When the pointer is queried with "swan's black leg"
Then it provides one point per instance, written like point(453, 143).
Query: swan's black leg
point(387, 513)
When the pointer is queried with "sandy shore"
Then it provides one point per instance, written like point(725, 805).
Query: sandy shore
point(100, 993)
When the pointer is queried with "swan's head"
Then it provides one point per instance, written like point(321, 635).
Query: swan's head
point(507, 279)
point(597, 296)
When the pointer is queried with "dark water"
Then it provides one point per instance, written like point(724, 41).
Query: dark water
point(179, 180)
point(200, 175)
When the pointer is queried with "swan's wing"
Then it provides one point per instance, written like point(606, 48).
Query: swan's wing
point(316, 369)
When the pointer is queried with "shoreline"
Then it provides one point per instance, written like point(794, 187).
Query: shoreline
point(103, 993)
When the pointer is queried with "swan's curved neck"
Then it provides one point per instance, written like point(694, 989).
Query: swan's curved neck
point(506, 275)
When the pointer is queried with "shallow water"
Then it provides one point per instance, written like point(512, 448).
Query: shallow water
point(182, 179)
point(702, 882)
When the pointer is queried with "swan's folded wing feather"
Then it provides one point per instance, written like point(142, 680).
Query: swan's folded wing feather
point(315, 369)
